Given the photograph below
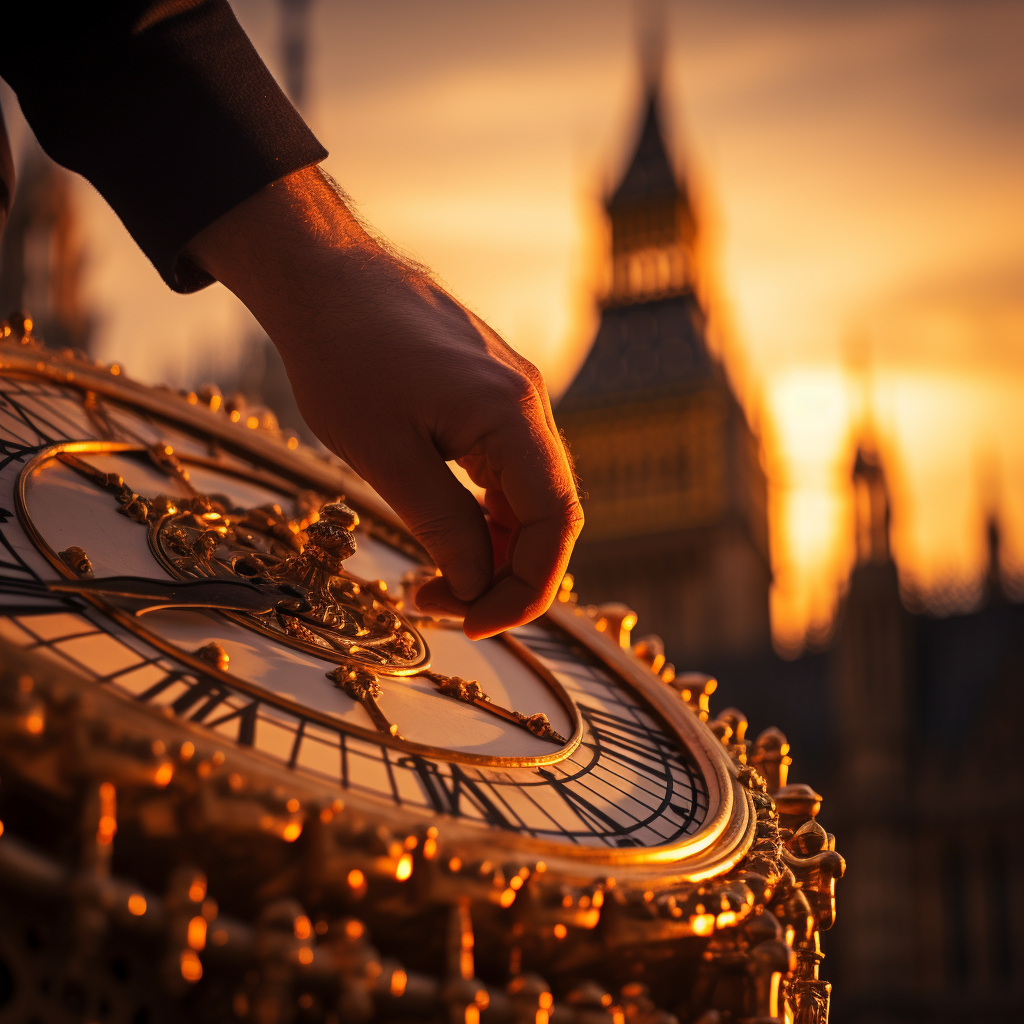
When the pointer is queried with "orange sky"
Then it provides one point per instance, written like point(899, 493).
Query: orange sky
point(859, 171)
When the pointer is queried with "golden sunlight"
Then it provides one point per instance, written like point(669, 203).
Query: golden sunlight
point(856, 174)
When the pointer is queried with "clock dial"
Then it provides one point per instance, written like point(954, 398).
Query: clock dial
point(408, 710)
point(530, 734)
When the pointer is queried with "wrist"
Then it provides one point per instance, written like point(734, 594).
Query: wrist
point(274, 249)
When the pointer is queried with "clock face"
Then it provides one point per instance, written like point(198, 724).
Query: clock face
point(301, 642)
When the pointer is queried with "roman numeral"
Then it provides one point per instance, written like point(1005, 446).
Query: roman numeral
point(246, 722)
point(158, 687)
point(628, 745)
point(456, 793)
point(209, 695)
point(582, 807)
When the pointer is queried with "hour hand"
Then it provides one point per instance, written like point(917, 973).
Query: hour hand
point(225, 595)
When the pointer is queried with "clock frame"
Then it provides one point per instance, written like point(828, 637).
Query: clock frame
point(755, 874)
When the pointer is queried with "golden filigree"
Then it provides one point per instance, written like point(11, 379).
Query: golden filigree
point(329, 612)
point(215, 654)
point(540, 725)
point(363, 686)
point(318, 606)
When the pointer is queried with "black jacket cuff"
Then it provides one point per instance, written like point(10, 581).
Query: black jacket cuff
point(164, 106)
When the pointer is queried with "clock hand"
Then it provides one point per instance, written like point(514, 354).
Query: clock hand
point(218, 594)
point(469, 692)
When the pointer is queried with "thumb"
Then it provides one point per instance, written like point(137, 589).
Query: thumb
point(440, 512)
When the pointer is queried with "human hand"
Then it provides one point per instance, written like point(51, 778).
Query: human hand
point(396, 377)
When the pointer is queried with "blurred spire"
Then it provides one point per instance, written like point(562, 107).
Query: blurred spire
point(871, 507)
point(649, 176)
point(42, 256)
point(652, 30)
point(653, 227)
point(295, 18)
point(990, 500)
point(994, 592)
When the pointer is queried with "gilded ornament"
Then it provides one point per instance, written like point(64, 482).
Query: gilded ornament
point(363, 686)
point(330, 613)
point(77, 561)
point(215, 654)
point(318, 606)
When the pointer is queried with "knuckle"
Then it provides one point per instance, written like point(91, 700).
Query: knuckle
point(575, 519)
point(532, 373)
point(514, 388)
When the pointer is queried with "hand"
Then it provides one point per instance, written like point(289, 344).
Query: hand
point(397, 378)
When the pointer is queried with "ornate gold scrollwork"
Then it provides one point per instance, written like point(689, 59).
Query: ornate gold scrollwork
point(77, 561)
point(362, 686)
point(318, 606)
point(330, 613)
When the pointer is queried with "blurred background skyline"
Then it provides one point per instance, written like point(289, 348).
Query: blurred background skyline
point(857, 171)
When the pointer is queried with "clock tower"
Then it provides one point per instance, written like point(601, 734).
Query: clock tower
point(675, 492)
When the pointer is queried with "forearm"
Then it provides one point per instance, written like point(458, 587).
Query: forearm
point(284, 249)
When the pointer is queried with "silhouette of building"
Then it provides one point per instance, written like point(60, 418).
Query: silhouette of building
point(928, 792)
point(42, 256)
point(910, 725)
point(674, 489)
point(871, 721)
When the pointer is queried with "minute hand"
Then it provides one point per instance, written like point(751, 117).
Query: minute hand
point(219, 594)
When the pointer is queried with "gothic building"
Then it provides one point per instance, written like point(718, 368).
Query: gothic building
point(910, 724)
point(674, 491)
point(928, 792)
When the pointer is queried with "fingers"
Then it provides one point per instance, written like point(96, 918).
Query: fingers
point(436, 596)
point(443, 516)
point(538, 487)
point(500, 510)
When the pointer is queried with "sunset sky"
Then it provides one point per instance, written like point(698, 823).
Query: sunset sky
point(858, 169)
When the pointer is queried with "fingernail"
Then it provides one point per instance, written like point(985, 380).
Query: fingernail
point(466, 579)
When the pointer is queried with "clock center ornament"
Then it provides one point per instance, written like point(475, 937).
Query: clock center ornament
point(318, 605)
point(243, 779)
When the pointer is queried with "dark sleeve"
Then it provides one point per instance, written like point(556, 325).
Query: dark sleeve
point(164, 105)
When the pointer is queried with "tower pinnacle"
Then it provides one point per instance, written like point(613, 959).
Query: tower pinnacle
point(872, 509)
point(653, 227)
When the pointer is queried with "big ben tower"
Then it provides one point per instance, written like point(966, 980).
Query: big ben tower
point(675, 492)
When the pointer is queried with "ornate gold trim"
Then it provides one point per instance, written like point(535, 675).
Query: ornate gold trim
point(393, 648)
